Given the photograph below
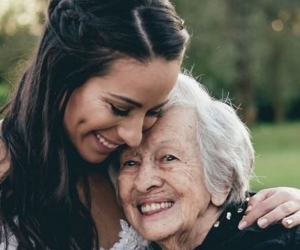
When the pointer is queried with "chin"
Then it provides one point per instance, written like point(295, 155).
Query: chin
point(94, 159)
point(98, 161)
point(159, 236)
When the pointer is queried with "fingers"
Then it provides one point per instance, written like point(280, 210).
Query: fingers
point(261, 196)
point(279, 193)
point(283, 210)
point(265, 212)
point(271, 205)
point(292, 220)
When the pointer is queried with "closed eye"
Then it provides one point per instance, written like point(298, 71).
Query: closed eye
point(155, 113)
point(119, 111)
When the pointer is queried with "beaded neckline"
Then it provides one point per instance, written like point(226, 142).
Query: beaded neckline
point(229, 214)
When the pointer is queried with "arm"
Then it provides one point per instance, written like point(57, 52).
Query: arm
point(271, 205)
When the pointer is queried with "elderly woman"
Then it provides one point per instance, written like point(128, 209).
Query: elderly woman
point(185, 187)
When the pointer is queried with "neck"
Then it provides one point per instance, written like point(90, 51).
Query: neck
point(105, 210)
point(193, 236)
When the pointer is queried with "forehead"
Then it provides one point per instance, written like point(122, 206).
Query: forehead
point(145, 82)
point(176, 121)
point(177, 126)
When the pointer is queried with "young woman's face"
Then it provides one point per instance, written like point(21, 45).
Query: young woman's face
point(115, 109)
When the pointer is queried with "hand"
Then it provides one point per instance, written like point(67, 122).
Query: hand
point(271, 205)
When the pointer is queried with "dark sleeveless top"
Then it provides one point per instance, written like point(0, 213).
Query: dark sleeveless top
point(225, 235)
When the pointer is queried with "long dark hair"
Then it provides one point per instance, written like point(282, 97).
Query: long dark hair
point(40, 205)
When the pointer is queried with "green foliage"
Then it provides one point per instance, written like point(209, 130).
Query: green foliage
point(20, 25)
point(247, 48)
point(257, 41)
point(14, 51)
point(4, 93)
point(277, 155)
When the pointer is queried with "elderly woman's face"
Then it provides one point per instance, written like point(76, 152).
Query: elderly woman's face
point(161, 182)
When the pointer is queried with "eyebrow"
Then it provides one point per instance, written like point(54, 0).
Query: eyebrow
point(135, 103)
point(126, 99)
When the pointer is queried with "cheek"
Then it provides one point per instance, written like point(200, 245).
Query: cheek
point(149, 122)
point(195, 201)
point(73, 115)
point(198, 197)
point(69, 113)
point(124, 189)
point(190, 176)
point(190, 185)
point(68, 120)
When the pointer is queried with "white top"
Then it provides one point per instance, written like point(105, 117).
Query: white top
point(129, 240)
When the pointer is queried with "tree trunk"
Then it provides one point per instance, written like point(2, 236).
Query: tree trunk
point(239, 34)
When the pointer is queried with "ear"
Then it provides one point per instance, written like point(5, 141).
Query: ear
point(218, 200)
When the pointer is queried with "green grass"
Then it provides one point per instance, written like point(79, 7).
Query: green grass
point(277, 155)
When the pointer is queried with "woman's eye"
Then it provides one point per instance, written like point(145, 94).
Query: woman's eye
point(119, 111)
point(155, 113)
point(129, 163)
point(169, 158)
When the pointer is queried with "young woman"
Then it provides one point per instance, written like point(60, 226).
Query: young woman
point(101, 74)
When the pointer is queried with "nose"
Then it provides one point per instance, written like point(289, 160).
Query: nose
point(148, 177)
point(131, 131)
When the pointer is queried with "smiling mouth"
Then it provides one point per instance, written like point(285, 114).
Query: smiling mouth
point(154, 207)
point(104, 142)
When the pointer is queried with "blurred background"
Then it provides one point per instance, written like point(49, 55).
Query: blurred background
point(247, 51)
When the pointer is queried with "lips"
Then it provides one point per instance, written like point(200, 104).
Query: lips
point(105, 143)
point(153, 207)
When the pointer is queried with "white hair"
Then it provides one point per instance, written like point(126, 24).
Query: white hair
point(225, 146)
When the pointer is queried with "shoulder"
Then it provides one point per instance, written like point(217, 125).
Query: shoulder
point(4, 157)
point(226, 235)
point(274, 237)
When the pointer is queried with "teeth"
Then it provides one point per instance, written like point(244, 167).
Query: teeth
point(153, 206)
point(105, 143)
point(156, 206)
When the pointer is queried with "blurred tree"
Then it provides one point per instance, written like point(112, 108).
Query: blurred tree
point(250, 49)
point(282, 19)
point(20, 24)
point(238, 17)
point(18, 14)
